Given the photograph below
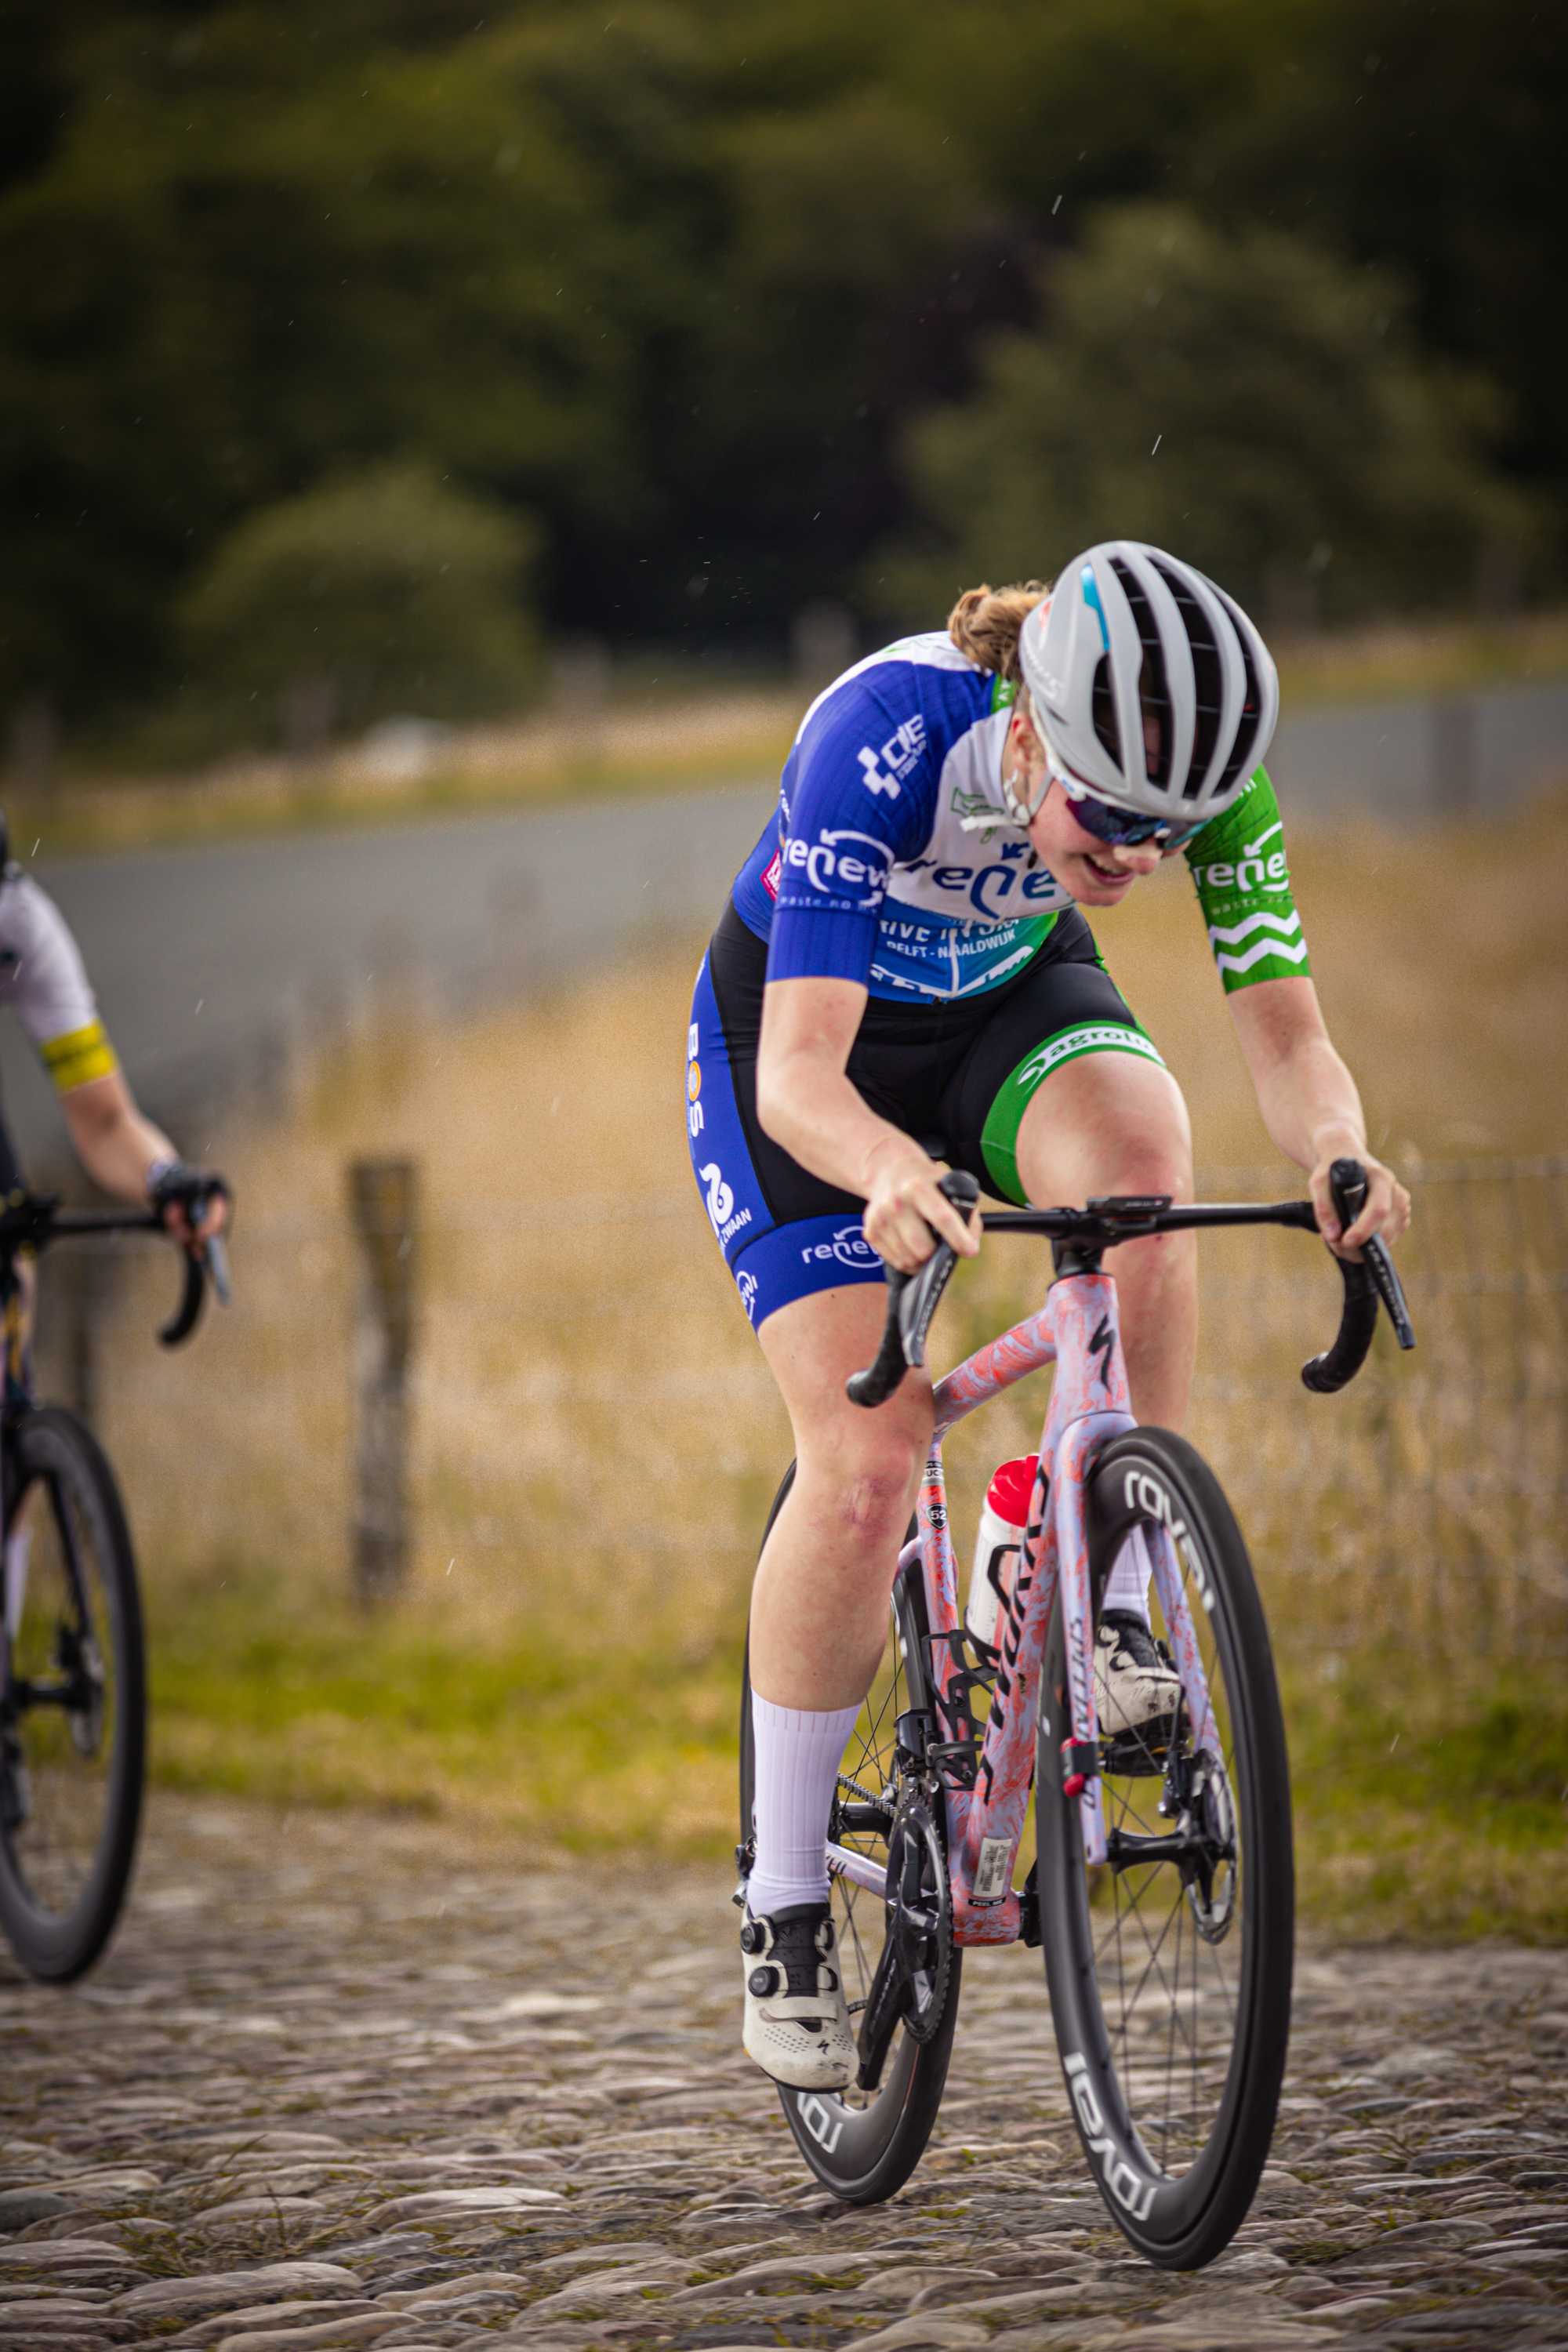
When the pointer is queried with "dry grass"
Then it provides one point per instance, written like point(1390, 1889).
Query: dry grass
point(595, 1438)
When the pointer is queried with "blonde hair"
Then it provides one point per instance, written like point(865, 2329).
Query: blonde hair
point(984, 623)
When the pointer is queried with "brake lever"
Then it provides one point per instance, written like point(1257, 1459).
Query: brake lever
point(1390, 1289)
point(912, 1301)
point(216, 1252)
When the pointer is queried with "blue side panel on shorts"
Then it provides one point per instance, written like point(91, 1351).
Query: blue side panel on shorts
point(771, 1264)
point(796, 1260)
point(720, 1160)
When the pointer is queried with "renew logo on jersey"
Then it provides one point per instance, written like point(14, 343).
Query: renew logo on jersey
point(840, 862)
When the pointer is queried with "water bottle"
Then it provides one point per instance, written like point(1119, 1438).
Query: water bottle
point(1002, 1523)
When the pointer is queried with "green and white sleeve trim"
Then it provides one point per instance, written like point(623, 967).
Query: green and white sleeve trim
point(1286, 944)
point(1243, 883)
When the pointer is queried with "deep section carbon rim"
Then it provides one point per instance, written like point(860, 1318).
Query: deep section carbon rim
point(72, 1719)
point(1170, 1964)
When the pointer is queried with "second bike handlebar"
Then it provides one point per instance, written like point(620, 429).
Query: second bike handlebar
point(212, 1264)
point(38, 1218)
point(1078, 1235)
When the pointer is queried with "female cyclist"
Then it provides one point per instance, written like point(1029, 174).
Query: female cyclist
point(903, 957)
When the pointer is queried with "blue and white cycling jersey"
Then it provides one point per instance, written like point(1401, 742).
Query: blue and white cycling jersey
point(892, 860)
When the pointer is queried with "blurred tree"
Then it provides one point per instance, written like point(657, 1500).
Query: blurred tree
point(239, 271)
point(854, 235)
point(675, 282)
point(380, 591)
point(1425, 138)
point(1430, 139)
point(1249, 403)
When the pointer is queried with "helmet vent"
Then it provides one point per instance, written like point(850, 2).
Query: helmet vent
point(1152, 686)
point(1102, 708)
point(1208, 680)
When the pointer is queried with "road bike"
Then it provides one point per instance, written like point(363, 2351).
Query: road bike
point(73, 1698)
point(1163, 1888)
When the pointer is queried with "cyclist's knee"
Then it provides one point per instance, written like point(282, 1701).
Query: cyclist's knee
point(864, 1481)
point(1106, 1123)
point(1159, 1160)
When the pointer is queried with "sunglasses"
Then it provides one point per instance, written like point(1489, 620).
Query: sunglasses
point(1118, 830)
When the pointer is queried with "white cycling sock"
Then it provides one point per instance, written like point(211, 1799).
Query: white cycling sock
point(1127, 1586)
point(797, 1760)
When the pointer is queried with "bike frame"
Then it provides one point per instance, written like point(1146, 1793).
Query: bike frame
point(1078, 1329)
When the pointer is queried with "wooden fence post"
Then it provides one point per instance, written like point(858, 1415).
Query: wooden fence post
point(383, 1200)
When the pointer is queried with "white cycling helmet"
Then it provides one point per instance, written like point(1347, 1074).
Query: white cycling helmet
point(1130, 632)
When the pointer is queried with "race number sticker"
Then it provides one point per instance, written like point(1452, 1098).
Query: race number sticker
point(993, 1871)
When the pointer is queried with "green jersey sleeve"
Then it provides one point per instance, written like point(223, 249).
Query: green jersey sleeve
point(1244, 885)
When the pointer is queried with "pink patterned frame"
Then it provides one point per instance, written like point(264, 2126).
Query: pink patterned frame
point(1078, 1330)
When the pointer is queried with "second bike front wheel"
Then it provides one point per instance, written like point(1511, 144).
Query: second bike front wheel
point(73, 1706)
point(864, 2145)
point(1169, 1965)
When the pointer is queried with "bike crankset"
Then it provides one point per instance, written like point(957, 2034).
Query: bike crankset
point(909, 1986)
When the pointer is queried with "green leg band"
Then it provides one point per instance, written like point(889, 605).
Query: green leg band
point(999, 1142)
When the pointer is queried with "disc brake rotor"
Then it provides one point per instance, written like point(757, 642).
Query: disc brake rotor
point(909, 1986)
point(1210, 1874)
point(919, 1915)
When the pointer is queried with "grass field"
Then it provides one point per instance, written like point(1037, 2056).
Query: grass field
point(596, 1440)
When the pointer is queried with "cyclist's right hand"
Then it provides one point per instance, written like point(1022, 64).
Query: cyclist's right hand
point(905, 1214)
point(192, 1201)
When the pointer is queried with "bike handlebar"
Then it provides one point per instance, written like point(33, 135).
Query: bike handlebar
point(36, 1218)
point(1078, 1235)
point(1366, 1281)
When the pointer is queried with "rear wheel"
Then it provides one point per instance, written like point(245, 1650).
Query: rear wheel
point(1169, 1965)
point(864, 2145)
point(72, 1710)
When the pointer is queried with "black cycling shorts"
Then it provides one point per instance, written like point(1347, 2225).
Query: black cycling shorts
point(957, 1072)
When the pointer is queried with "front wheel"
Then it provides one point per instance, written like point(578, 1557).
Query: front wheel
point(1169, 1965)
point(864, 2145)
point(73, 1705)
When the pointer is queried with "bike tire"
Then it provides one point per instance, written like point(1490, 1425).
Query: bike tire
point(70, 1776)
point(1171, 2007)
point(863, 2146)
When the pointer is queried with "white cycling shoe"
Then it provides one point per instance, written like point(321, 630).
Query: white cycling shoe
point(1136, 1687)
point(796, 2025)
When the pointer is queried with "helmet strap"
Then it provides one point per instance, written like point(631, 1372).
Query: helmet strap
point(1022, 813)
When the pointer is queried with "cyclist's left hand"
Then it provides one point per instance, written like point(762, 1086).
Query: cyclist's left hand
point(1385, 1210)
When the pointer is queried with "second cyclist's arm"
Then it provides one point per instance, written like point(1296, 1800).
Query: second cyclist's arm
point(114, 1140)
point(809, 1106)
point(1309, 1102)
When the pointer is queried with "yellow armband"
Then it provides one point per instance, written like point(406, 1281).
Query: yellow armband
point(78, 1057)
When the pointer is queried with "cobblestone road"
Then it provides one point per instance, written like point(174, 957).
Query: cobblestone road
point(339, 2086)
